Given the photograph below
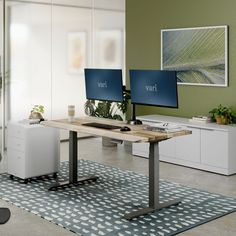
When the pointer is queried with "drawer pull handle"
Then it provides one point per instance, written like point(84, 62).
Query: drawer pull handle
point(207, 129)
point(200, 128)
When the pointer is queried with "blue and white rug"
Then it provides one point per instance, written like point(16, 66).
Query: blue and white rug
point(97, 208)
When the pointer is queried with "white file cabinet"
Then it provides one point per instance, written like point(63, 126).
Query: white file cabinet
point(32, 150)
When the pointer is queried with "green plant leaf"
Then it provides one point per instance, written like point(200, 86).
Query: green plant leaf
point(38, 108)
point(227, 114)
point(107, 109)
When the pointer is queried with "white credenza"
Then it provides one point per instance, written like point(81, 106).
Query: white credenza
point(32, 150)
point(210, 147)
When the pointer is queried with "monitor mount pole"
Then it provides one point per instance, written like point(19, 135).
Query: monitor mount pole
point(133, 120)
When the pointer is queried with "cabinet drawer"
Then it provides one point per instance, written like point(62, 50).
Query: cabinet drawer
point(140, 149)
point(16, 131)
point(188, 146)
point(16, 162)
point(140, 153)
point(168, 148)
point(144, 147)
point(214, 148)
point(16, 143)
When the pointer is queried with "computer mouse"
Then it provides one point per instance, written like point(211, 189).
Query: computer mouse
point(125, 128)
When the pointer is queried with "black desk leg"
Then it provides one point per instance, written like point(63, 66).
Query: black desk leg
point(154, 186)
point(73, 156)
point(73, 164)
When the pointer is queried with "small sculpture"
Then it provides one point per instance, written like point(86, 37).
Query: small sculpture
point(36, 112)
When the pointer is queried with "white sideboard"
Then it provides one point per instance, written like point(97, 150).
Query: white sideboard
point(210, 147)
point(32, 150)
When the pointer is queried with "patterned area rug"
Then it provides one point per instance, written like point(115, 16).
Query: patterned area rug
point(98, 208)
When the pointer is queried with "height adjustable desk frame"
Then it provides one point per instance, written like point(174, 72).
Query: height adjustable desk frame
point(137, 134)
point(73, 164)
point(154, 186)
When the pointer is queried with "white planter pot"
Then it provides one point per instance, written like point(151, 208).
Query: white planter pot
point(106, 142)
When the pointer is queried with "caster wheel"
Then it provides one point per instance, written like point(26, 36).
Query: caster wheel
point(11, 177)
point(26, 181)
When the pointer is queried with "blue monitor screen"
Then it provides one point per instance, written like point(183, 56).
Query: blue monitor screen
point(154, 87)
point(104, 84)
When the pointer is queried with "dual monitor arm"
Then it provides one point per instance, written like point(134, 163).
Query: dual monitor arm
point(133, 120)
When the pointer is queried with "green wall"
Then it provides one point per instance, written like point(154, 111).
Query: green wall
point(145, 19)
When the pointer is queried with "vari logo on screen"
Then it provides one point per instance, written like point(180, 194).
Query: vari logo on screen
point(151, 88)
point(154, 87)
point(102, 84)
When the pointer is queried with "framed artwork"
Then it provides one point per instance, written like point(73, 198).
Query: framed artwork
point(77, 51)
point(110, 48)
point(199, 55)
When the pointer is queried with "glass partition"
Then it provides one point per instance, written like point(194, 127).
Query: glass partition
point(109, 34)
point(71, 53)
point(30, 58)
point(48, 45)
point(1, 98)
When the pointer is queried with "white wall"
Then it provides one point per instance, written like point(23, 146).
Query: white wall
point(30, 59)
point(38, 52)
point(1, 163)
point(68, 86)
point(39, 59)
point(109, 34)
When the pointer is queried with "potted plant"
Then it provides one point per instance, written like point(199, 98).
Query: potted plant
point(106, 109)
point(223, 115)
point(37, 112)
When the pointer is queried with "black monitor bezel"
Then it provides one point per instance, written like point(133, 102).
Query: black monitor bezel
point(154, 105)
point(105, 100)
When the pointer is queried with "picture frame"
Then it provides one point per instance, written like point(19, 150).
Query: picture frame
point(199, 55)
point(110, 48)
point(77, 51)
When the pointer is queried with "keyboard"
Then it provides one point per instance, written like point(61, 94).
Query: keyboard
point(101, 126)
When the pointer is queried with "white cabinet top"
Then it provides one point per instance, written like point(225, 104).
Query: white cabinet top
point(186, 122)
point(24, 125)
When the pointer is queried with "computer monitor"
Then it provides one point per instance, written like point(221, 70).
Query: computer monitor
point(154, 87)
point(104, 84)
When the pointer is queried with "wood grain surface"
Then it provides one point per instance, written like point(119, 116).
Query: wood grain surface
point(136, 134)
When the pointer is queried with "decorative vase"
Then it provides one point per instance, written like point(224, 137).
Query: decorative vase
point(218, 120)
point(35, 115)
point(106, 142)
point(222, 120)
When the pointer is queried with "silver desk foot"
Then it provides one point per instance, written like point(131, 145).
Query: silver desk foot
point(147, 210)
point(66, 184)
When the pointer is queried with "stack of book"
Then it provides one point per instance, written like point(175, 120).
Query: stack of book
point(165, 127)
point(200, 119)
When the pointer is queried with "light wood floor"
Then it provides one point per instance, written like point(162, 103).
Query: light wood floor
point(23, 223)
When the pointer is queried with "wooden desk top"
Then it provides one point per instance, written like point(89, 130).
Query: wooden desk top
point(137, 133)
